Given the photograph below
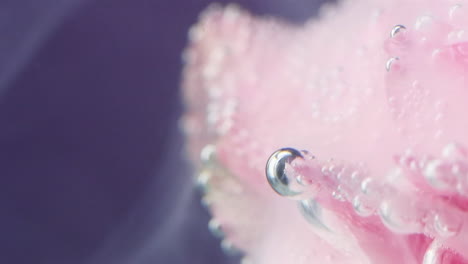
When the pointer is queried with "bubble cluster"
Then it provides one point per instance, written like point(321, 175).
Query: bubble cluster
point(450, 171)
point(215, 183)
point(291, 175)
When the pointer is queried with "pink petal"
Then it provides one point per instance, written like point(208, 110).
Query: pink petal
point(387, 109)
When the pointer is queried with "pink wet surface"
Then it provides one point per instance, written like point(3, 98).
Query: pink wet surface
point(253, 85)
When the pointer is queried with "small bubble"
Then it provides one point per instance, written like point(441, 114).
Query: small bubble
point(355, 175)
point(302, 180)
point(447, 225)
point(229, 249)
point(208, 154)
point(232, 12)
point(196, 33)
point(462, 187)
point(390, 62)
point(398, 218)
point(454, 152)
point(408, 160)
point(215, 228)
point(397, 29)
point(203, 180)
point(307, 155)
point(436, 53)
point(361, 207)
point(338, 196)
point(439, 174)
point(340, 175)
point(461, 170)
point(325, 170)
point(423, 22)
point(365, 184)
point(454, 11)
point(335, 169)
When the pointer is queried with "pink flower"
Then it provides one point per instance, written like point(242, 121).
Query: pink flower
point(375, 91)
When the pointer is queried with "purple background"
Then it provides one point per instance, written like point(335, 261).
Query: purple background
point(90, 163)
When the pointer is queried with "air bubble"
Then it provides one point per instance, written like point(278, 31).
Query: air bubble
point(454, 152)
point(454, 12)
point(281, 174)
point(215, 228)
point(229, 249)
point(462, 186)
point(397, 29)
point(390, 62)
point(208, 154)
point(325, 170)
point(355, 175)
point(423, 22)
point(203, 180)
point(400, 218)
point(335, 169)
point(232, 12)
point(338, 196)
point(303, 181)
point(366, 185)
point(361, 206)
point(436, 54)
point(276, 171)
point(447, 225)
point(409, 161)
point(196, 33)
point(439, 175)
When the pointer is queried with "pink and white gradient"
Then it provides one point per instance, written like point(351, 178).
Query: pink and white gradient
point(390, 109)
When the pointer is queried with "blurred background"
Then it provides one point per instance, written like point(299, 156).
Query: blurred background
point(91, 169)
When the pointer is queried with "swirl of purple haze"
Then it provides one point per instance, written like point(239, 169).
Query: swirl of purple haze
point(90, 152)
